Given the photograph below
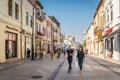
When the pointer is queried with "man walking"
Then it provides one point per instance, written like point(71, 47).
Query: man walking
point(70, 53)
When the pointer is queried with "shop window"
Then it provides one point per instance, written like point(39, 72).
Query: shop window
point(10, 5)
point(16, 11)
point(11, 45)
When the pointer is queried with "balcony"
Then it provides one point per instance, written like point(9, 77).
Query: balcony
point(39, 33)
point(98, 31)
point(40, 15)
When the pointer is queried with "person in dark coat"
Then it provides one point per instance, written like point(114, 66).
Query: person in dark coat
point(80, 57)
point(28, 53)
point(70, 53)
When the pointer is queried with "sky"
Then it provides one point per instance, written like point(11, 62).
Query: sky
point(74, 16)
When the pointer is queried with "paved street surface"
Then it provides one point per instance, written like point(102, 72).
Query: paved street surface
point(93, 69)
point(29, 70)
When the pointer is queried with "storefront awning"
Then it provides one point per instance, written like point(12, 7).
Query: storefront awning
point(115, 32)
point(105, 36)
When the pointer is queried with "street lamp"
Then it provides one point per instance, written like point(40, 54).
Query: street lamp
point(33, 57)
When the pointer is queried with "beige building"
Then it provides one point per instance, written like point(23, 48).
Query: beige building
point(28, 23)
point(90, 39)
point(23, 23)
point(10, 22)
point(16, 31)
point(48, 33)
point(39, 26)
point(55, 32)
point(99, 28)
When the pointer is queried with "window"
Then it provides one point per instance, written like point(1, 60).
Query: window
point(39, 28)
point(27, 17)
point(16, 11)
point(111, 13)
point(36, 27)
point(30, 21)
point(10, 7)
point(11, 45)
point(107, 15)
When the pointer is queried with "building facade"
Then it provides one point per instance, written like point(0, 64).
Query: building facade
point(10, 17)
point(39, 26)
point(99, 28)
point(16, 28)
point(106, 25)
point(55, 32)
point(90, 46)
point(24, 25)
point(112, 43)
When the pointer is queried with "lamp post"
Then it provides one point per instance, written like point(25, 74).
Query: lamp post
point(33, 57)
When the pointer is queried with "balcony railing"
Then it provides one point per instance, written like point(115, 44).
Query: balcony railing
point(98, 31)
point(39, 33)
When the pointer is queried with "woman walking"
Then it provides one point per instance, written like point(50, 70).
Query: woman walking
point(80, 57)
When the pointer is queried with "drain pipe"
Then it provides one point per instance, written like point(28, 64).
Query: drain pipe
point(21, 32)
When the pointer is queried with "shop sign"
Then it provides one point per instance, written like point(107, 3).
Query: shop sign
point(109, 31)
point(11, 28)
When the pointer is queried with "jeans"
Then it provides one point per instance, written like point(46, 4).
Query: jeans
point(70, 63)
point(80, 63)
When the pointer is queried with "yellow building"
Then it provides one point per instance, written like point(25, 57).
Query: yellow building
point(28, 23)
point(16, 28)
point(99, 28)
point(10, 22)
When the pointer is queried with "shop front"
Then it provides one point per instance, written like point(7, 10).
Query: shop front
point(116, 42)
point(10, 45)
point(109, 43)
point(28, 44)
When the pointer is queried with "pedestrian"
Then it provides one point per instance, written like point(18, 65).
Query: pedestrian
point(38, 53)
point(80, 57)
point(41, 54)
point(28, 53)
point(75, 54)
point(70, 54)
point(64, 51)
point(58, 53)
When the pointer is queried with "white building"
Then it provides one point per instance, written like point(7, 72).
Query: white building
point(112, 28)
point(90, 39)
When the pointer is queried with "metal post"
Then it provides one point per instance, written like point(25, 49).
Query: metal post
point(32, 58)
point(21, 32)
